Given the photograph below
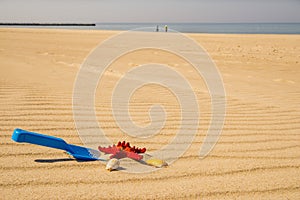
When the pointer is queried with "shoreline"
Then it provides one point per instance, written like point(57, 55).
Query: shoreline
point(201, 28)
point(119, 31)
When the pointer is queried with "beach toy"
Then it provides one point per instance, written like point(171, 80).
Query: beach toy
point(123, 150)
point(112, 164)
point(78, 152)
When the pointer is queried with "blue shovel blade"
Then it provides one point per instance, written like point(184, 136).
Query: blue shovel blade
point(78, 152)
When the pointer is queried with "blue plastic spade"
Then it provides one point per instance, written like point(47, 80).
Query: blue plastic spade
point(78, 152)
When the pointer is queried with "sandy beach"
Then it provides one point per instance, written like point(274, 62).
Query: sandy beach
point(256, 157)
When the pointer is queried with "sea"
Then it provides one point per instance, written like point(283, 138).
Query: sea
point(238, 28)
point(222, 28)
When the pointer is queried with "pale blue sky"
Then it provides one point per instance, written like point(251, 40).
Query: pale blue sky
point(157, 11)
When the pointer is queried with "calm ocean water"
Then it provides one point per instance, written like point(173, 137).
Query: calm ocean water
point(242, 28)
point(239, 28)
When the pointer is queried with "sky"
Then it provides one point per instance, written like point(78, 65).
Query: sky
point(150, 11)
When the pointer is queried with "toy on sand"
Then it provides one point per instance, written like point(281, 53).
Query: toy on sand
point(119, 151)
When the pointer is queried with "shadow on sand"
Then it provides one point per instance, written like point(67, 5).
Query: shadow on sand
point(60, 160)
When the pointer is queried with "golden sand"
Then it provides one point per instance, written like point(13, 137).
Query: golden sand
point(257, 156)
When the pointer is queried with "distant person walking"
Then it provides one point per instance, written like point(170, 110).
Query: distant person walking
point(157, 28)
point(166, 28)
